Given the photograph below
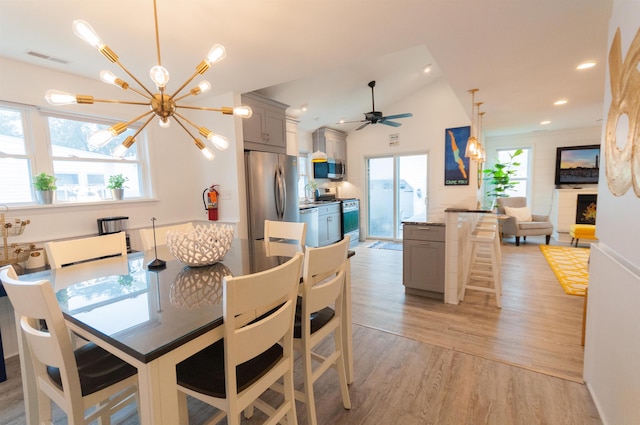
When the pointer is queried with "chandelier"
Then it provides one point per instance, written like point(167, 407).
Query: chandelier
point(161, 105)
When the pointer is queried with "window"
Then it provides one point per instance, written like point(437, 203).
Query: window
point(82, 172)
point(303, 178)
point(522, 171)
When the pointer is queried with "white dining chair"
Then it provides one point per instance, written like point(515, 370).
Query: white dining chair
point(234, 372)
point(319, 315)
point(89, 383)
point(284, 238)
point(146, 235)
point(61, 253)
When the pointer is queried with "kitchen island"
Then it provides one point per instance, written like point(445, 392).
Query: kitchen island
point(423, 259)
point(460, 223)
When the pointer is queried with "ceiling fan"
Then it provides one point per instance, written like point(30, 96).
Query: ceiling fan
point(375, 117)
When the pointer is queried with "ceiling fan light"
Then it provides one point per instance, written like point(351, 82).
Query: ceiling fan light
point(318, 156)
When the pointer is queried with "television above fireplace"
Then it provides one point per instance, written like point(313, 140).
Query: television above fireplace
point(577, 165)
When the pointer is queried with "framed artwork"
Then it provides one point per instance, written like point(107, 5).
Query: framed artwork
point(456, 165)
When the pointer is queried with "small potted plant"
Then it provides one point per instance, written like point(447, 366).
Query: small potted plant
point(116, 184)
point(45, 186)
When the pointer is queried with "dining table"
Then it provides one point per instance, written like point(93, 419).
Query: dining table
point(153, 318)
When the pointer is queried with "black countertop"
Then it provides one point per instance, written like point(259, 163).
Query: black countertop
point(424, 223)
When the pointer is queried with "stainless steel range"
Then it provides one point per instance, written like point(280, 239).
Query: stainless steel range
point(351, 219)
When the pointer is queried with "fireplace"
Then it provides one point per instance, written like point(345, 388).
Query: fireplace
point(586, 209)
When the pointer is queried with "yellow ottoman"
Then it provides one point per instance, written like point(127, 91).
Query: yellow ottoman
point(582, 231)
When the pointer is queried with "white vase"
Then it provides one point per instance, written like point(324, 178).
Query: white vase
point(117, 194)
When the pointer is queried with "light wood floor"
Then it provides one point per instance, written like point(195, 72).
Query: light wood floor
point(419, 361)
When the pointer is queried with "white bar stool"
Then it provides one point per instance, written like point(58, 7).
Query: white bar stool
point(485, 259)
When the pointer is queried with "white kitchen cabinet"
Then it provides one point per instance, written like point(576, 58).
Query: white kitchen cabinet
point(292, 137)
point(266, 129)
point(329, 224)
point(423, 259)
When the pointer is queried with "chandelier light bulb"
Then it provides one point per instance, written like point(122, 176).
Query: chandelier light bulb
point(164, 122)
point(159, 75)
point(120, 151)
point(59, 98)
point(85, 31)
point(100, 138)
point(108, 77)
point(218, 141)
point(204, 86)
point(208, 153)
point(243, 111)
point(216, 54)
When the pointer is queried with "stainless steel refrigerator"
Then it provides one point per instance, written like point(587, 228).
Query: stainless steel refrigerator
point(272, 194)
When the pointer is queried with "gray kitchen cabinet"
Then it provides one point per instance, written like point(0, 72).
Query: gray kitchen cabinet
point(332, 142)
point(266, 130)
point(329, 225)
point(423, 259)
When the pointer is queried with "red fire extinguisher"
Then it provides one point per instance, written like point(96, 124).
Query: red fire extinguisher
point(210, 200)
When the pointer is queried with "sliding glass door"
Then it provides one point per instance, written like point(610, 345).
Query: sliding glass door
point(396, 192)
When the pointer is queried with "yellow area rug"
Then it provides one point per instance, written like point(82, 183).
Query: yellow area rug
point(570, 266)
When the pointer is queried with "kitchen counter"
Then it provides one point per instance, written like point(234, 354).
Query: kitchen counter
point(304, 206)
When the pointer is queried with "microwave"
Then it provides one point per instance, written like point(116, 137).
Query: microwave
point(332, 169)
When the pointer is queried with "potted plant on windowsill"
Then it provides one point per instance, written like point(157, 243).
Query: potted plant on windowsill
point(45, 187)
point(116, 184)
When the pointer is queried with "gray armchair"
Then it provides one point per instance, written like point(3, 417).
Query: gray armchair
point(539, 225)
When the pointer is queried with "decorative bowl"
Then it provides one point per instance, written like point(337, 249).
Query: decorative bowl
point(203, 245)
point(195, 287)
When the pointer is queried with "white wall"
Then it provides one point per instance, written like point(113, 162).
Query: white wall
point(542, 145)
point(435, 108)
point(612, 348)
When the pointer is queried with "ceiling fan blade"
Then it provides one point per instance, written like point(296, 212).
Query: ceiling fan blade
point(391, 123)
point(363, 126)
point(393, 117)
point(350, 122)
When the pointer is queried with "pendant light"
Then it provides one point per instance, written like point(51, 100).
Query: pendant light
point(472, 142)
point(318, 156)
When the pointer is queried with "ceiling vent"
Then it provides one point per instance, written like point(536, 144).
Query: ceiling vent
point(47, 57)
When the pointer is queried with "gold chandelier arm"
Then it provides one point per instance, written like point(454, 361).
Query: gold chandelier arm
point(225, 109)
point(143, 125)
point(155, 18)
point(139, 92)
point(195, 74)
point(125, 102)
point(175, 115)
point(133, 76)
point(138, 118)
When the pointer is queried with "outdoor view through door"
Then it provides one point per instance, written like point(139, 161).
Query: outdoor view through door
point(396, 192)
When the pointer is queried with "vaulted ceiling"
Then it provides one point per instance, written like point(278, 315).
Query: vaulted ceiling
point(521, 54)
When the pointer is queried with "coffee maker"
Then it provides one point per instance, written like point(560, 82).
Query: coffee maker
point(107, 225)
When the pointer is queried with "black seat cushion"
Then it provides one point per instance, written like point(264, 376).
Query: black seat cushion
point(204, 371)
point(318, 319)
point(98, 369)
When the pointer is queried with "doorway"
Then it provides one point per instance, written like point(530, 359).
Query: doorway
point(396, 192)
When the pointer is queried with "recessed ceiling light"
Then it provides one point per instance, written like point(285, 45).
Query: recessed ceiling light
point(427, 68)
point(304, 108)
point(545, 122)
point(560, 102)
point(586, 65)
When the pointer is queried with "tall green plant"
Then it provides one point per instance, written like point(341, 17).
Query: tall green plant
point(499, 176)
